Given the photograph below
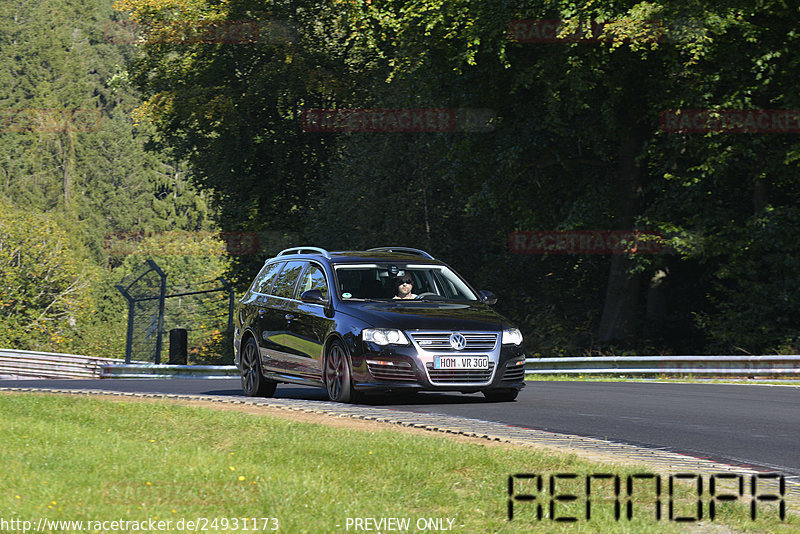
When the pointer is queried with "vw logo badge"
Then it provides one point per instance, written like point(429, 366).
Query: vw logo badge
point(457, 341)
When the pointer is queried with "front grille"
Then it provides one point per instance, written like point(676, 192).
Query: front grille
point(398, 371)
point(514, 373)
point(461, 376)
point(440, 341)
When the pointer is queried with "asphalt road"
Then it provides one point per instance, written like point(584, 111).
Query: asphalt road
point(752, 425)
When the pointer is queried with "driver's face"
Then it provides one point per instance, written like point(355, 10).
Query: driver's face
point(404, 286)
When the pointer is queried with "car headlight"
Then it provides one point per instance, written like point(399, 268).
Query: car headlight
point(384, 336)
point(512, 336)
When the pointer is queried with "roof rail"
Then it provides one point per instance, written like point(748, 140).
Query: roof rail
point(305, 250)
point(406, 250)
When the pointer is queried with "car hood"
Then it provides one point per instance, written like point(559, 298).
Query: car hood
point(427, 315)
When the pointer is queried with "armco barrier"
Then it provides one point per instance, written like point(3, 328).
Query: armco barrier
point(150, 370)
point(719, 366)
point(29, 364)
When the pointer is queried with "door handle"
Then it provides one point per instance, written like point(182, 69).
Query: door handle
point(289, 316)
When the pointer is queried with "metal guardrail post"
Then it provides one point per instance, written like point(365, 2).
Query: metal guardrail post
point(131, 311)
point(231, 298)
point(132, 301)
point(161, 302)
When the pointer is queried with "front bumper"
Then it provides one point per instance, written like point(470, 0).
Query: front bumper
point(411, 367)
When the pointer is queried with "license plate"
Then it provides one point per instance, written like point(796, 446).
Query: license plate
point(461, 362)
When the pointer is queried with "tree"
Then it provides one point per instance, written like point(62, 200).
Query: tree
point(43, 282)
point(583, 133)
point(69, 143)
point(71, 153)
point(577, 145)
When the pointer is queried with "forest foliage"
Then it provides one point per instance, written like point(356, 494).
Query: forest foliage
point(556, 128)
point(75, 177)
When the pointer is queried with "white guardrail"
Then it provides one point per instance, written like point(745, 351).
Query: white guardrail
point(28, 364)
point(707, 366)
point(151, 370)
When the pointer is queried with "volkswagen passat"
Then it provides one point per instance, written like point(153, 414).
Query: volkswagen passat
point(385, 319)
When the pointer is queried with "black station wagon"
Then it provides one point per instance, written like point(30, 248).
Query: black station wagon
point(385, 319)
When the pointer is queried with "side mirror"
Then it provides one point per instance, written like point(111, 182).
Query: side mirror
point(488, 297)
point(313, 296)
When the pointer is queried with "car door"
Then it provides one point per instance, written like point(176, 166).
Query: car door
point(309, 323)
point(255, 310)
point(276, 337)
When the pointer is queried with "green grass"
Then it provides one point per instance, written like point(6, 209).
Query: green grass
point(78, 458)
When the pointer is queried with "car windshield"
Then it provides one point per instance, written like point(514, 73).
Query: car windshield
point(381, 282)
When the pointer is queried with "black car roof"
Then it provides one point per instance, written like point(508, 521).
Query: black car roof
point(356, 256)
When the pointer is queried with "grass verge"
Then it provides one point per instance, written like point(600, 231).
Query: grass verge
point(97, 461)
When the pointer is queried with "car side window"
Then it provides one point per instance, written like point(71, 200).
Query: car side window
point(314, 278)
point(266, 277)
point(284, 284)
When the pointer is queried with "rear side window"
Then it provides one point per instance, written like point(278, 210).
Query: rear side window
point(265, 278)
point(284, 284)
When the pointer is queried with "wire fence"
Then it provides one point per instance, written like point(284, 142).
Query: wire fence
point(203, 311)
point(145, 291)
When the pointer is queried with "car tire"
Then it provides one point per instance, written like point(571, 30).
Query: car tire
point(337, 375)
point(253, 382)
point(500, 395)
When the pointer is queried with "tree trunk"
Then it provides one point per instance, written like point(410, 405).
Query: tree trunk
point(656, 308)
point(620, 310)
point(66, 148)
point(760, 195)
point(618, 322)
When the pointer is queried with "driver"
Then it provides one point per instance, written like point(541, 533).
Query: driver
point(405, 288)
